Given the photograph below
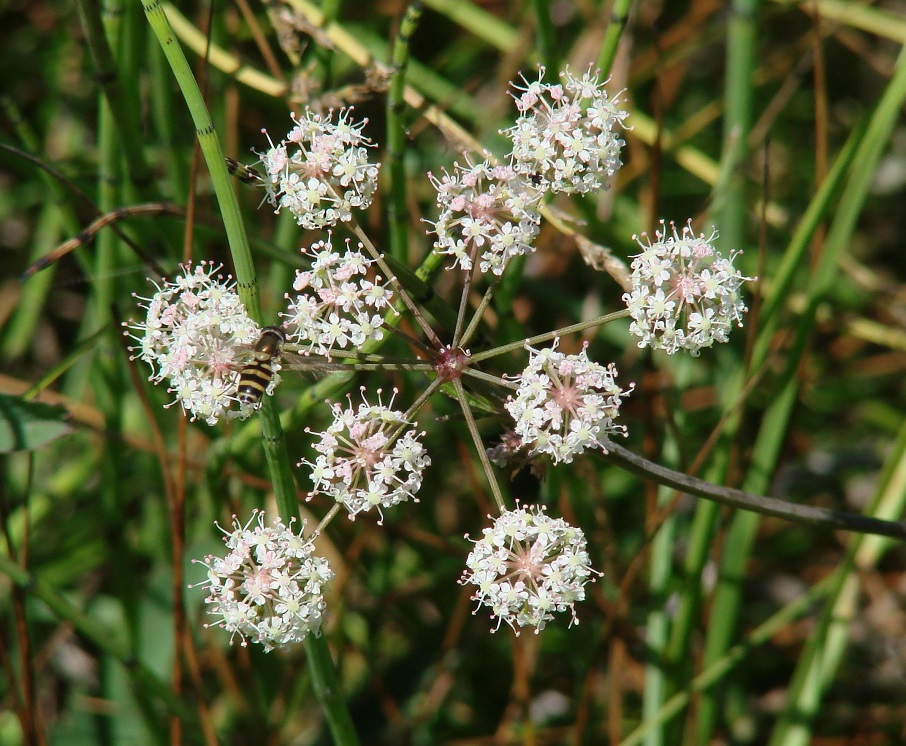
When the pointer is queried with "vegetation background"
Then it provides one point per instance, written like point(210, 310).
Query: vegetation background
point(779, 122)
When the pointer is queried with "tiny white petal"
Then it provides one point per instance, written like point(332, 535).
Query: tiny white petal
point(273, 595)
point(526, 566)
point(685, 295)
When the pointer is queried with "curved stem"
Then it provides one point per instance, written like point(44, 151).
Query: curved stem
point(323, 672)
point(246, 284)
point(754, 503)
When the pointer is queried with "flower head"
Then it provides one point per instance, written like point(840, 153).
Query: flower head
point(269, 588)
point(336, 306)
point(320, 172)
point(685, 295)
point(565, 403)
point(528, 565)
point(196, 337)
point(565, 138)
point(368, 459)
point(488, 210)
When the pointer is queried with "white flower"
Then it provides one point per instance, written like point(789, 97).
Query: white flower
point(486, 210)
point(320, 172)
point(269, 588)
point(336, 306)
point(685, 295)
point(527, 566)
point(565, 138)
point(565, 403)
point(368, 459)
point(196, 336)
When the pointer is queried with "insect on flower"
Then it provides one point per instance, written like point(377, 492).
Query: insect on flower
point(268, 355)
point(257, 375)
point(245, 174)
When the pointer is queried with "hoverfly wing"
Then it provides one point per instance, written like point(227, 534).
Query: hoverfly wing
point(245, 174)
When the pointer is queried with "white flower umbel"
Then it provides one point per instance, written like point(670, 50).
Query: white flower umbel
point(336, 306)
point(485, 209)
point(195, 337)
point(320, 172)
point(269, 588)
point(565, 139)
point(685, 295)
point(565, 403)
point(527, 566)
point(368, 459)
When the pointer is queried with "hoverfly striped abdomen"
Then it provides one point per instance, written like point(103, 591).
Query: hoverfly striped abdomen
point(257, 375)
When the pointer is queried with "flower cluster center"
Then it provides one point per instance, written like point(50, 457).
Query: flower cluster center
point(451, 363)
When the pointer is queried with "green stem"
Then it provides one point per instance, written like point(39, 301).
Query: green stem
point(327, 688)
point(401, 291)
point(727, 598)
point(323, 673)
point(398, 214)
point(123, 116)
point(730, 204)
point(488, 378)
point(547, 40)
point(819, 661)
point(479, 312)
point(618, 18)
point(422, 398)
point(459, 339)
point(325, 521)
point(246, 283)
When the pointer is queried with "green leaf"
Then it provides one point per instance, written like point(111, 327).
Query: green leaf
point(28, 426)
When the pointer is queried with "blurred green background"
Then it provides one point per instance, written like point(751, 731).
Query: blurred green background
point(778, 122)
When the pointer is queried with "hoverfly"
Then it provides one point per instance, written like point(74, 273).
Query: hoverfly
point(257, 374)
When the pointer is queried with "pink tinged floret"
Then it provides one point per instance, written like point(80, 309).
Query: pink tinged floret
point(686, 288)
point(562, 415)
point(196, 322)
point(488, 208)
point(377, 472)
point(521, 570)
point(705, 284)
point(560, 147)
point(276, 602)
point(330, 159)
point(337, 304)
